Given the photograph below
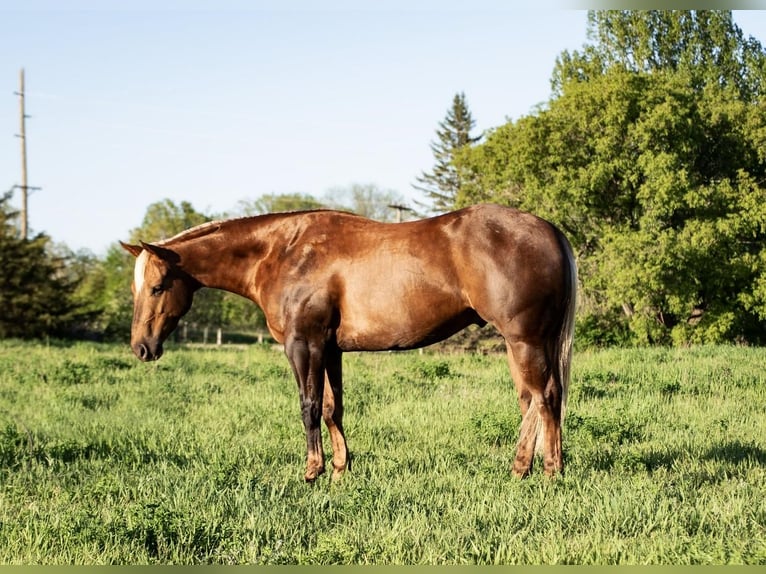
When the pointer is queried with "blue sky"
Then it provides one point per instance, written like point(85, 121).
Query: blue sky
point(216, 105)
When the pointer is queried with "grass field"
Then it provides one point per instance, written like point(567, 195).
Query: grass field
point(198, 458)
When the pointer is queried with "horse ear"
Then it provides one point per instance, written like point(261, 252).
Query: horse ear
point(163, 253)
point(134, 250)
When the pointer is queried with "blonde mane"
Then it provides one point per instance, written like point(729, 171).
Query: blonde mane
point(200, 230)
point(210, 227)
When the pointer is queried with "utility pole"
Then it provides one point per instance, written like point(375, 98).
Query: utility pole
point(25, 188)
point(399, 209)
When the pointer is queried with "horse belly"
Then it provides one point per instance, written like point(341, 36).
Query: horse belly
point(401, 319)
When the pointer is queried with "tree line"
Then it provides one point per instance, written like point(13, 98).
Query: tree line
point(650, 154)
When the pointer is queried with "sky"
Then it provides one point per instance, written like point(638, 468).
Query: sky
point(221, 102)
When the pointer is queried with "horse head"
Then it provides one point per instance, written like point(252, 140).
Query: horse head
point(162, 294)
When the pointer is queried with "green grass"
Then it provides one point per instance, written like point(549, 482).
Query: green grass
point(198, 458)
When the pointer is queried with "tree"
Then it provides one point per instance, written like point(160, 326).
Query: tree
point(367, 200)
point(442, 185)
point(275, 203)
point(704, 46)
point(165, 218)
point(107, 286)
point(83, 270)
point(656, 169)
point(36, 292)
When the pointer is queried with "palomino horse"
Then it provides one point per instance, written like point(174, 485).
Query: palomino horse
point(330, 282)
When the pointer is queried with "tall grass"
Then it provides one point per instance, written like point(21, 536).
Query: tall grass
point(198, 458)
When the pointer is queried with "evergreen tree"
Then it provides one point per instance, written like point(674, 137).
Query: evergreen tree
point(36, 293)
point(442, 185)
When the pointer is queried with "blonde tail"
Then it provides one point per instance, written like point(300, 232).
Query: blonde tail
point(566, 336)
point(562, 351)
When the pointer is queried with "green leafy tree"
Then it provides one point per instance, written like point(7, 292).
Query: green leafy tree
point(651, 155)
point(705, 46)
point(442, 185)
point(276, 203)
point(367, 200)
point(107, 287)
point(36, 290)
point(166, 218)
point(83, 270)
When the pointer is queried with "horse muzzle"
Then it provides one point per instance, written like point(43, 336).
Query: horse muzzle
point(146, 351)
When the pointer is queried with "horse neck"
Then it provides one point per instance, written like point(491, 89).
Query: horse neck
point(226, 259)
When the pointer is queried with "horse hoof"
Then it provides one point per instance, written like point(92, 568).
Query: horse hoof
point(521, 470)
point(312, 474)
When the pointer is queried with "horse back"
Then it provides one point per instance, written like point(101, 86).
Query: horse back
point(394, 286)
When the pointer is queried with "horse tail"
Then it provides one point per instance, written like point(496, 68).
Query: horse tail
point(560, 349)
point(563, 350)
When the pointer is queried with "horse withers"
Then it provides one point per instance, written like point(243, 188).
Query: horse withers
point(331, 282)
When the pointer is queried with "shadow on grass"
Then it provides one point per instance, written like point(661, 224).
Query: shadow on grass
point(724, 460)
point(737, 452)
point(733, 453)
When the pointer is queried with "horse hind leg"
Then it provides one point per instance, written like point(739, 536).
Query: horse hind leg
point(332, 412)
point(540, 402)
point(525, 447)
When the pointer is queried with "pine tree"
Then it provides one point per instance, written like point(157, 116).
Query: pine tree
point(442, 185)
point(36, 295)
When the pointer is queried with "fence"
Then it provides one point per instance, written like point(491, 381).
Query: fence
point(207, 335)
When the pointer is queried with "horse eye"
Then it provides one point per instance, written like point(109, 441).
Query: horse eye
point(157, 289)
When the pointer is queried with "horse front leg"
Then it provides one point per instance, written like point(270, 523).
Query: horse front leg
point(307, 362)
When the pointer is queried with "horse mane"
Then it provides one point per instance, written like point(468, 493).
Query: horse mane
point(210, 227)
point(194, 232)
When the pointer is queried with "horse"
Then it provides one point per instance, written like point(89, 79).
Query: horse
point(331, 282)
